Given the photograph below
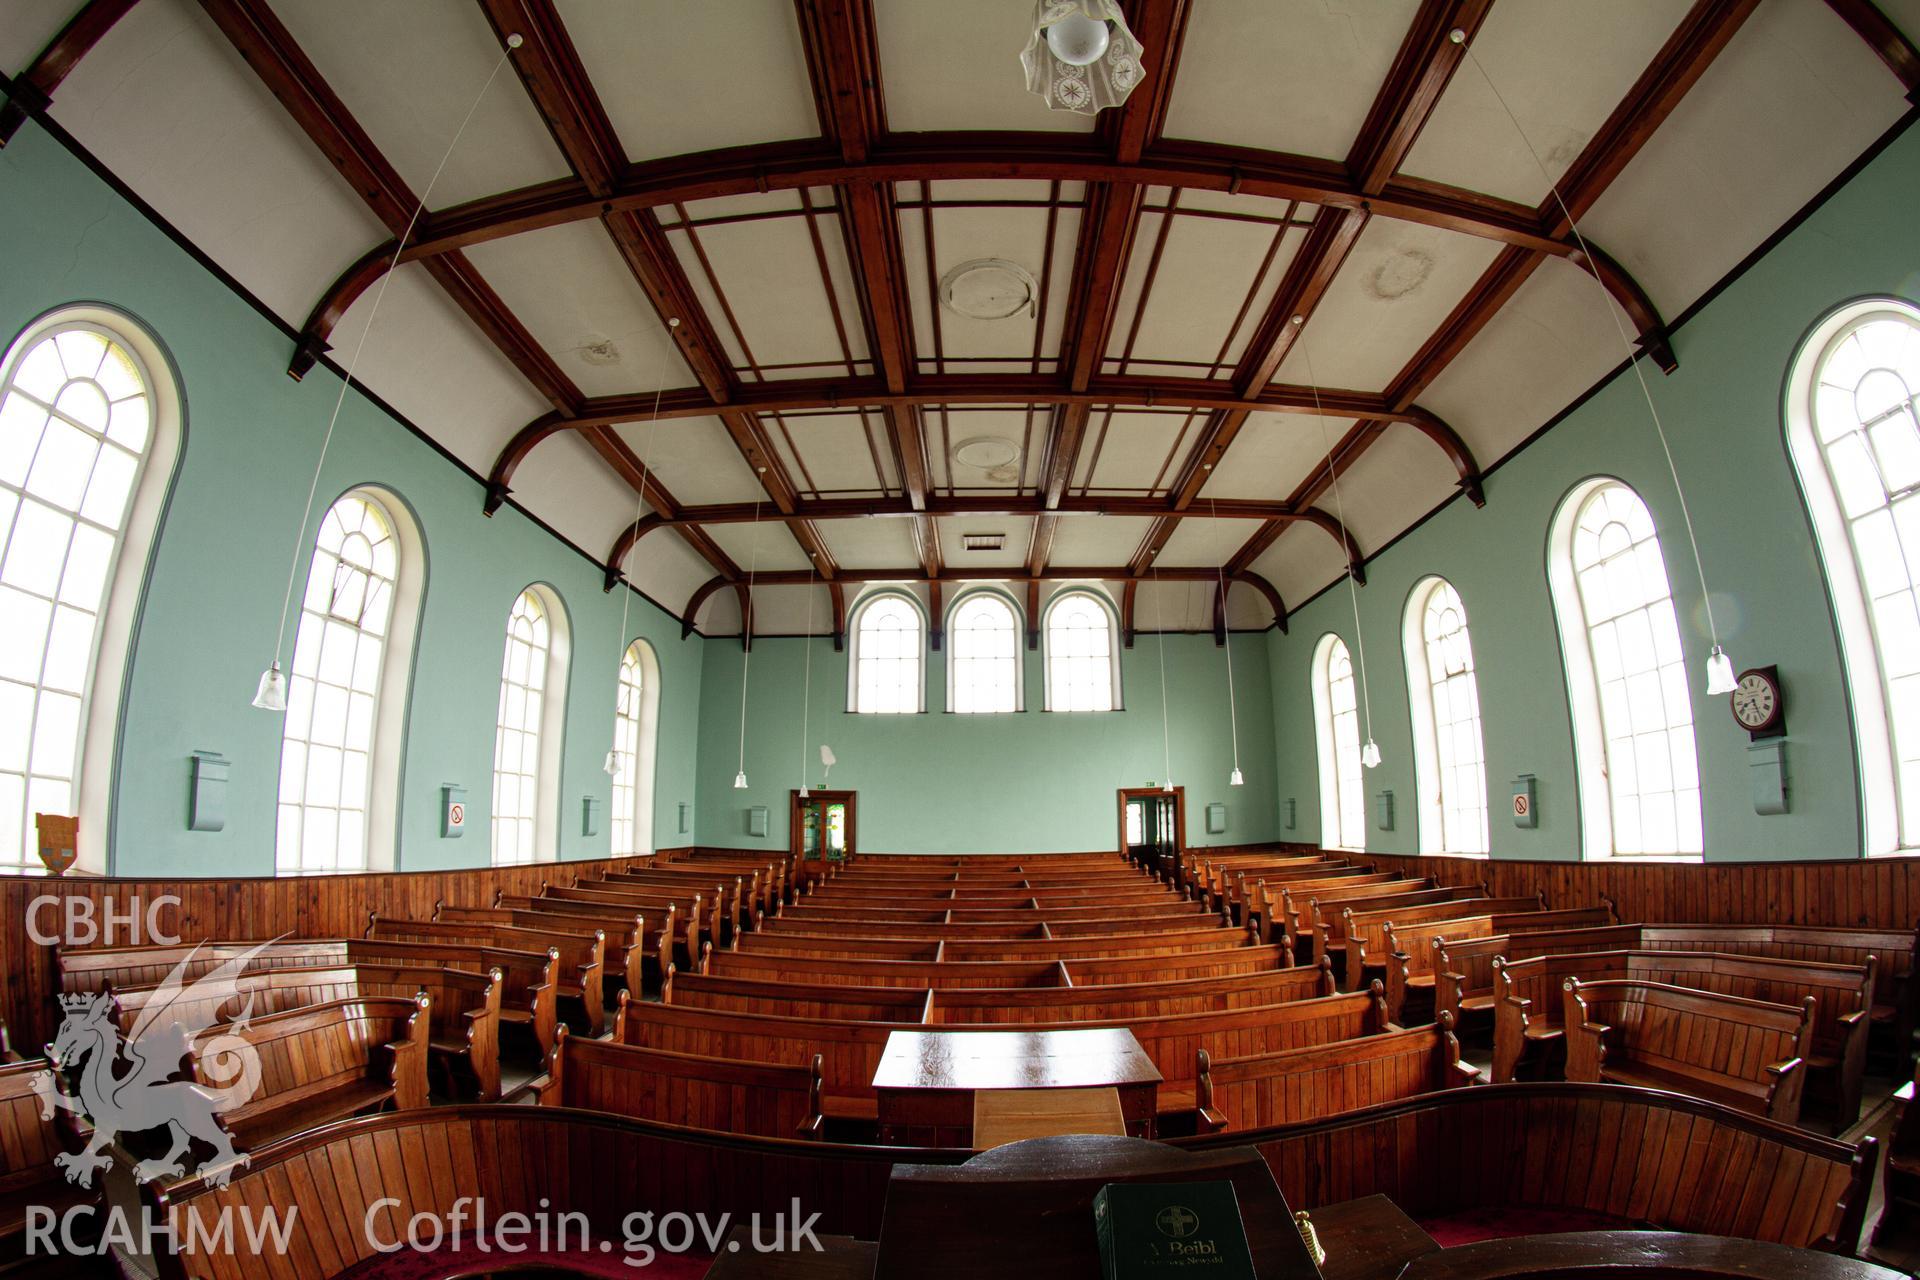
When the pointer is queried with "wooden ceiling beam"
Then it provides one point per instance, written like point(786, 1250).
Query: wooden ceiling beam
point(1421, 72)
point(33, 88)
point(286, 71)
point(1887, 41)
point(1011, 574)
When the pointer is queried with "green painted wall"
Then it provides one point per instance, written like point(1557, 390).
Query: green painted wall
point(1722, 410)
point(219, 566)
point(1028, 782)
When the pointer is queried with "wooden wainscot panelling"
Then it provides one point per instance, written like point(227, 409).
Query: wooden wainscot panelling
point(335, 906)
point(1876, 893)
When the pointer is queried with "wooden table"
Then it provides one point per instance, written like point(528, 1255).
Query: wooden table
point(1001, 1116)
point(927, 1080)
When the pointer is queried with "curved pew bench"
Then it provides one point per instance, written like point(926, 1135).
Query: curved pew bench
point(720, 1094)
point(1636, 1156)
point(1620, 1255)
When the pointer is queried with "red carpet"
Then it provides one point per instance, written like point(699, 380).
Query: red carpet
point(470, 1259)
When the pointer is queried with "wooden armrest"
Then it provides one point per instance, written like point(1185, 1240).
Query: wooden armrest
point(1468, 1073)
point(1853, 1019)
point(473, 1015)
point(812, 1129)
point(1781, 1070)
point(1210, 1121)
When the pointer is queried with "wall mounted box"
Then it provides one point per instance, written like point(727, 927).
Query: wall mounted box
point(686, 817)
point(1289, 813)
point(1383, 810)
point(207, 791)
point(1216, 818)
point(757, 820)
point(1526, 813)
point(453, 811)
point(590, 816)
point(1767, 769)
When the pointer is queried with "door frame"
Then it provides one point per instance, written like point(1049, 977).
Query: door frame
point(1179, 817)
point(795, 834)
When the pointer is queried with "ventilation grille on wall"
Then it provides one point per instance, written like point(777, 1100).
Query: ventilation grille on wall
point(982, 541)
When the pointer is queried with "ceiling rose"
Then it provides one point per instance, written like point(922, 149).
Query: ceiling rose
point(988, 289)
point(986, 453)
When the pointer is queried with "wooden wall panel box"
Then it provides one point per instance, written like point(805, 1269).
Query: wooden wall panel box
point(757, 820)
point(1383, 810)
point(1151, 1229)
point(207, 792)
point(1767, 770)
point(1216, 818)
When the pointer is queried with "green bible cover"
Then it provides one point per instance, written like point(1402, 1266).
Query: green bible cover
point(1173, 1229)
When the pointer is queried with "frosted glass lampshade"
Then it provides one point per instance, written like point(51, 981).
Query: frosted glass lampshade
point(272, 693)
point(1370, 754)
point(612, 765)
point(740, 781)
point(1237, 779)
point(1720, 672)
point(1081, 57)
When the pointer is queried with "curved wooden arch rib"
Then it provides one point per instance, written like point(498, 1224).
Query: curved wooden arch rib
point(935, 157)
point(1356, 563)
point(1458, 453)
point(697, 599)
point(624, 544)
point(1259, 583)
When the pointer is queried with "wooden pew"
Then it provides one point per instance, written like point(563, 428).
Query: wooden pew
point(6, 1046)
point(463, 1008)
point(857, 944)
point(527, 997)
point(796, 999)
point(28, 1147)
point(716, 908)
point(739, 893)
point(1123, 1002)
point(1895, 992)
point(323, 1063)
point(1259, 1090)
point(625, 945)
point(1410, 948)
point(707, 1093)
point(581, 952)
point(1631, 1155)
point(693, 917)
point(1360, 943)
point(865, 972)
point(1463, 976)
point(1528, 1015)
point(1266, 898)
point(1744, 1054)
point(1321, 926)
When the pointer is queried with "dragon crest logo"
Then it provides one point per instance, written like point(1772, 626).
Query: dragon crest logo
point(177, 1068)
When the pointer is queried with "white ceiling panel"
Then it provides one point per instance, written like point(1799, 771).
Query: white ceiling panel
point(949, 429)
point(1202, 542)
point(668, 570)
point(1905, 15)
point(770, 275)
point(766, 546)
point(1284, 75)
point(1019, 538)
point(166, 104)
point(1272, 454)
point(1300, 562)
point(950, 66)
point(870, 544)
point(833, 453)
point(1207, 268)
point(962, 235)
point(678, 77)
point(1174, 606)
point(1562, 66)
point(1097, 542)
point(1400, 478)
point(566, 484)
point(409, 73)
point(784, 611)
point(1793, 98)
point(570, 288)
point(30, 25)
point(426, 359)
point(1398, 285)
point(1135, 451)
point(695, 459)
point(720, 616)
point(1551, 342)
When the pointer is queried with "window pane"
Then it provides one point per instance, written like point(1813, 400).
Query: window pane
point(1081, 658)
point(1457, 739)
point(984, 656)
point(516, 742)
point(628, 838)
point(887, 658)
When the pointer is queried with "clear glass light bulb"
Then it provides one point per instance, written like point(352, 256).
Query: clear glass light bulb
point(1370, 754)
point(740, 781)
point(1237, 779)
point(1720, 672)
point(1078, 40)
point(272, 693)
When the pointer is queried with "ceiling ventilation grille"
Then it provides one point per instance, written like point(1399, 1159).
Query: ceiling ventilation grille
point(982, 541)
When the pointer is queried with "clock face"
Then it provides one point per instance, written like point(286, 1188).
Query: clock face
point(1754, 700)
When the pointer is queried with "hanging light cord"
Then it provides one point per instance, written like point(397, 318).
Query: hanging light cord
point(1593, 269)
point(1340, 512)
point(1226, 639)
point(746, 634)
point(806, 681)
point(1166, 734)
point(639, 507)
point(400, 247)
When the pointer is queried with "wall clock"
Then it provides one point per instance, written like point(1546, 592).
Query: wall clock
point(1758, 704)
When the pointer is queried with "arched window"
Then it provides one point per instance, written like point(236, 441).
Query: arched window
point(1632, 717)
point(526, 742)
point(983, 655)
point(1450, 766)
point(1853, 426)
point(346, 699)
point(636, 731)
point(888, 650)
point(1336, 724)
point(1083, 660)
point(89, 431)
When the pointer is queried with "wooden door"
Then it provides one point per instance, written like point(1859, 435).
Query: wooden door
point(822, 828)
